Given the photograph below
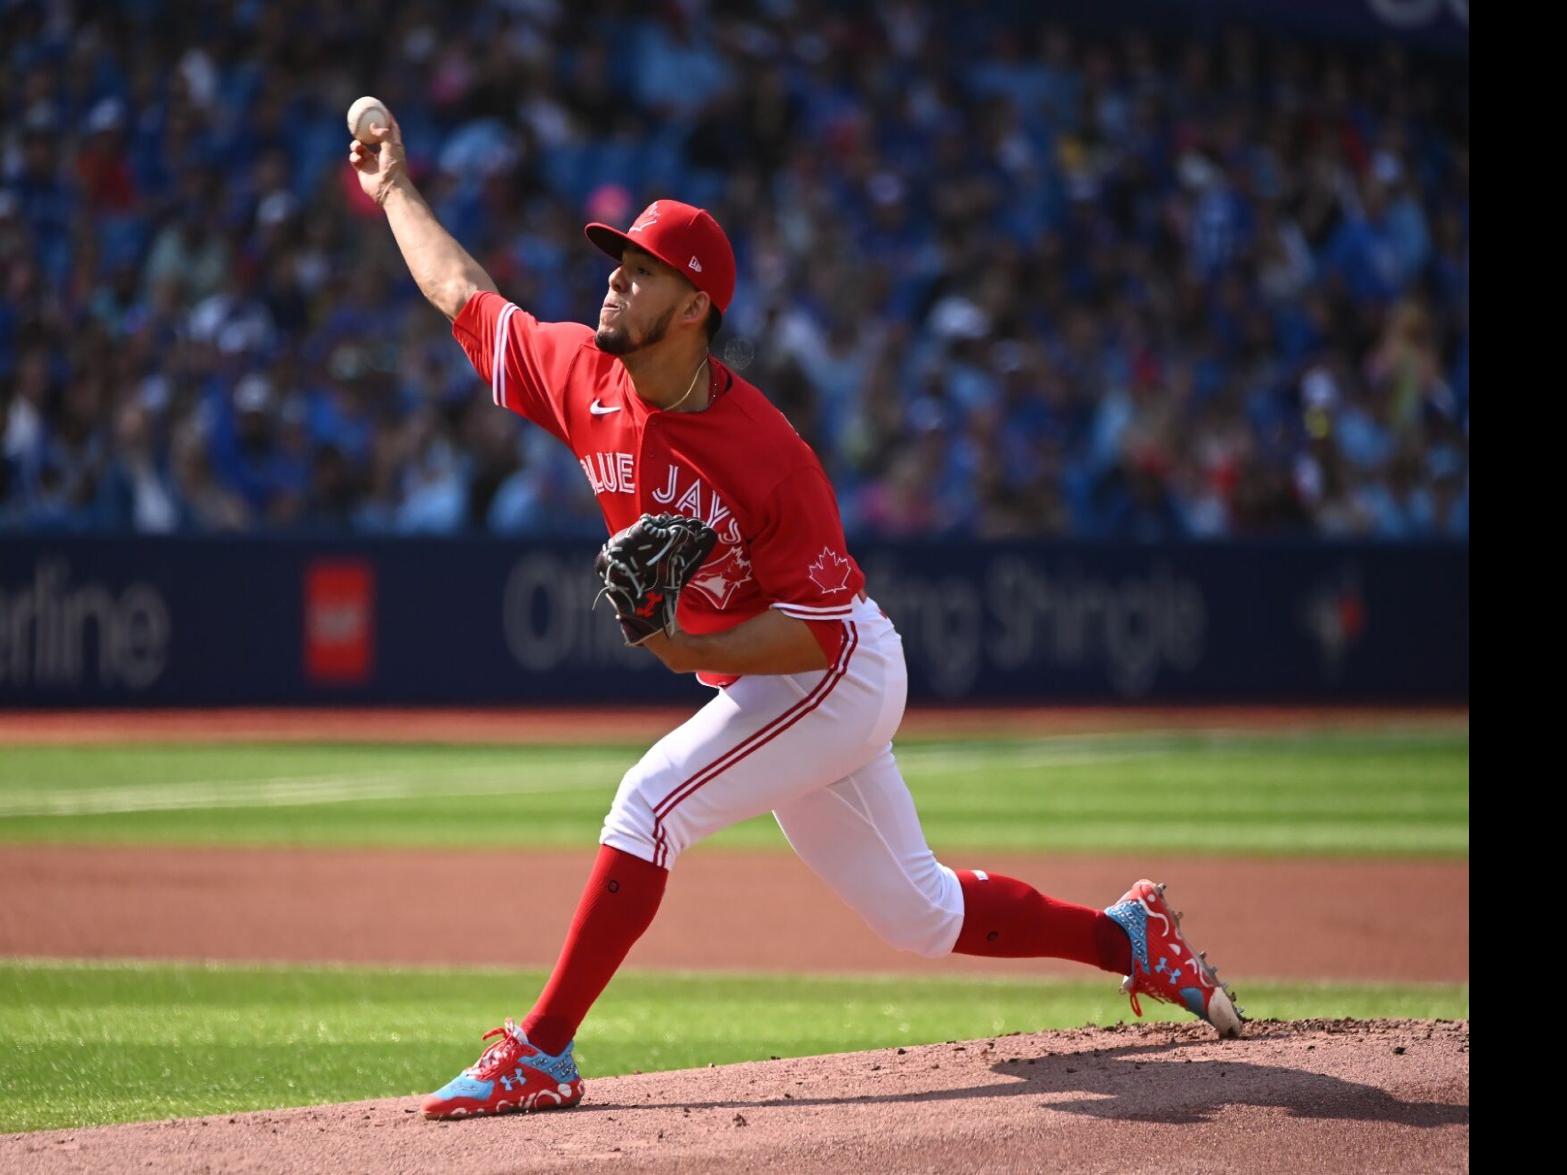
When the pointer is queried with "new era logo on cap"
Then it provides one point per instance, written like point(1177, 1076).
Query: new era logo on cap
point(671, 230)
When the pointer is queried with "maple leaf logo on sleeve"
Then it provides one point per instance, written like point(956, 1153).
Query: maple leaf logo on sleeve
point(829, 572)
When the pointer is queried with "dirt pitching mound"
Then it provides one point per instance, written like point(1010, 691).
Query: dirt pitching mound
point(1331, 1095)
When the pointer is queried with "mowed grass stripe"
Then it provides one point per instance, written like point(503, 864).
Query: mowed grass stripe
point(100, 1043)
point(281, 792)
point(1327, 792)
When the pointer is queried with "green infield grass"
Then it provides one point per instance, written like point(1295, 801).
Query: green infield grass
point(1318, 792)
point(90, 1043)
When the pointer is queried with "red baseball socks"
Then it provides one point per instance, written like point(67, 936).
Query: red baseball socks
point(1004, 918)
point(617, 906)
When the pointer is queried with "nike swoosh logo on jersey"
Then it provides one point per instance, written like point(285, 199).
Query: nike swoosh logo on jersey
point(600, 410)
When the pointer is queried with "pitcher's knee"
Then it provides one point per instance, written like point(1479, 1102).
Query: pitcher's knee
point(630, 825)
point(930, 934)
point(928, 922)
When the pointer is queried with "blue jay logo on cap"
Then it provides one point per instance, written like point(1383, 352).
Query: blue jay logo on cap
point(650, 216)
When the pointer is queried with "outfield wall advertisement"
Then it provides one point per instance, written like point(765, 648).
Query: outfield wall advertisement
point(170, 621)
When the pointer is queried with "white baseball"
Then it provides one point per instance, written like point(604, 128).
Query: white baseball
point(365, 113)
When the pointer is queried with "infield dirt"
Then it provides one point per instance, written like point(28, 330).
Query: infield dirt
point(1328, 1095)
point(1277, 919)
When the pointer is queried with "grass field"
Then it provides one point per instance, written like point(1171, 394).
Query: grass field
point(92, 1044)
point(1359, 793)
point(88, 1044)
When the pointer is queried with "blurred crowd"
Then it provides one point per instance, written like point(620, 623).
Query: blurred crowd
point(1009, 277)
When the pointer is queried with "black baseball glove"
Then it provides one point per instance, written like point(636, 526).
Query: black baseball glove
point(645, 566)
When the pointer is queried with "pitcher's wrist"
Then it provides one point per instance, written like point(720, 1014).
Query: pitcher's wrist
point(397, 183)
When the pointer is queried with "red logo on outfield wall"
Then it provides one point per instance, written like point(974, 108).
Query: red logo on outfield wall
point(339, 621)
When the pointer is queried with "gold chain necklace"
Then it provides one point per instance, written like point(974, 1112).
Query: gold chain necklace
point(689, 387)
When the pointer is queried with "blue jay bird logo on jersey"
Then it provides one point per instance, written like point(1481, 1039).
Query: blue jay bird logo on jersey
point(718, 578)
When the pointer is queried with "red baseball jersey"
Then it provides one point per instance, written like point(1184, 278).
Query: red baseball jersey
point(738, 465)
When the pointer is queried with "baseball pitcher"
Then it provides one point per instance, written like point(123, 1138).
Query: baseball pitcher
point(727, 559)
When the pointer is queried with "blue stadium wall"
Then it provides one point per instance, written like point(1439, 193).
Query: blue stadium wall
point(167, 621)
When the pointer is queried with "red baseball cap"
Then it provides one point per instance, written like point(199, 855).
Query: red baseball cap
point(682, 237)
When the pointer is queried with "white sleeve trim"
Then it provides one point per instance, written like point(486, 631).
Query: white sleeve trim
point(812, 612)
point(498, 361)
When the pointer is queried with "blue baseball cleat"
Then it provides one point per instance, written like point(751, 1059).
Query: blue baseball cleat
point(511, 1075)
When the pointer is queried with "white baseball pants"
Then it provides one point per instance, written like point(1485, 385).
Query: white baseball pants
point(815, 749)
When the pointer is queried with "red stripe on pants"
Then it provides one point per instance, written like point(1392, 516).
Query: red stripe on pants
point(694, 783)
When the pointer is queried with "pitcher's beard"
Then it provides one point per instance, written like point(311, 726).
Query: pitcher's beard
point(618, 340)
